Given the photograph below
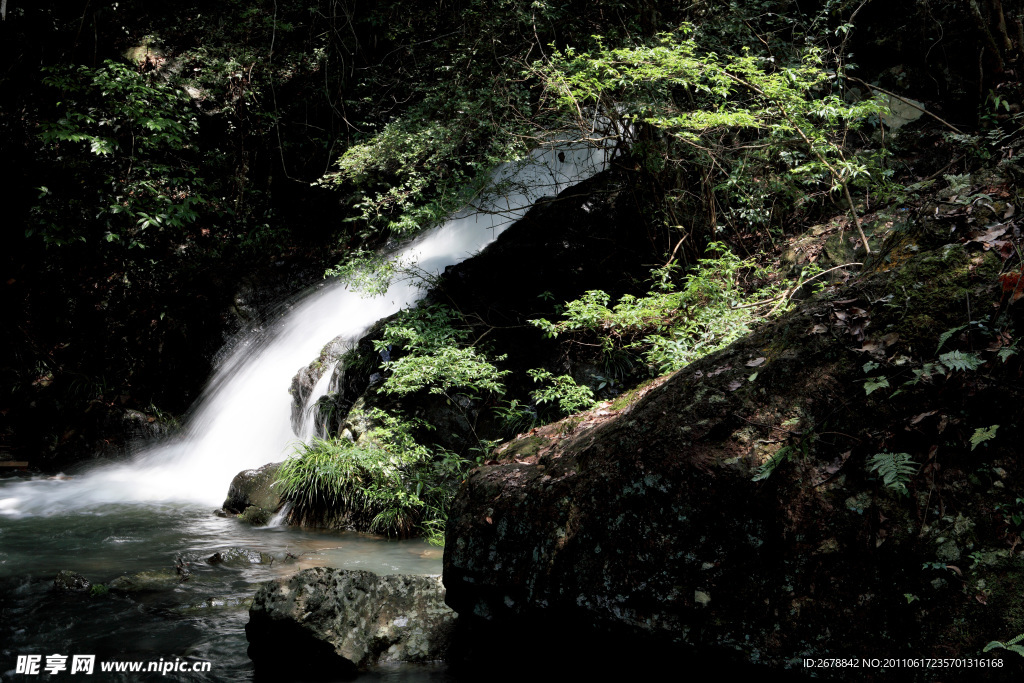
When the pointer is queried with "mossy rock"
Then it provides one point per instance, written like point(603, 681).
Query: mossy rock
point(160, 580)
point(254, 489)
point(256, 515)
point(525, 447)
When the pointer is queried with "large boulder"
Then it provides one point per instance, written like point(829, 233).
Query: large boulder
point(338, 621)
point(734, 509)
point(253, 494)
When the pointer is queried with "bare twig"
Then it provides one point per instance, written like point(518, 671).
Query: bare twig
point(790, 292)
point(672, 256)
point(906, 101)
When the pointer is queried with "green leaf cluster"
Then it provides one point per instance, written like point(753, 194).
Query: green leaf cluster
point(983, 434)
point(766, 468)
point(671, 326)
point(132, 140)
point(1012, 645)
point(437, 354)
point(562, 391)
point(767, 130)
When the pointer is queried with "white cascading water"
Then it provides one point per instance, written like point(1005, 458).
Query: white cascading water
point(243, 420)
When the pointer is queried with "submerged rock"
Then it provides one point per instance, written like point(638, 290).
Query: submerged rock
point(71, 581)
point(240, 557)
point(338, 621)
point(159, 580)
point(253, 495)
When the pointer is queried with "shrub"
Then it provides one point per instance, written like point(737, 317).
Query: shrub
point(385, 483)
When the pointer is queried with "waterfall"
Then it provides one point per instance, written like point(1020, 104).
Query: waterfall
point(242, 420)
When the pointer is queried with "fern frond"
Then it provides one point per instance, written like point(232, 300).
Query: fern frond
point(768, 466)
point(1011, 645)
point(983, 434)
point(896, 469)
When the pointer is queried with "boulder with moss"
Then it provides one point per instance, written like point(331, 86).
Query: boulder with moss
point(253, 495)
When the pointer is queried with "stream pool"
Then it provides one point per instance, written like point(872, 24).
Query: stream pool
point(200, 619)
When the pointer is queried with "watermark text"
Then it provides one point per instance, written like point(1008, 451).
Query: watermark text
point(34, 665)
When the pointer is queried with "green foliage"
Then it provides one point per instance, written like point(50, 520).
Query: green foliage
point(412, 175)
point(437, 354)
point(787, 122)
point(1006, 352)
point(1013, 513)
point(983, 434)
point(418, 156)
point(945, 336)
point(874, 383)
point(1013, 645)
point(131, 140)
point(669, 327)
point(449, 101)
point(386, 480)
point(766, 468)
point(370, 273)
point(562, 390)
point(958, 360)
point(516, 417)
point(896, 469)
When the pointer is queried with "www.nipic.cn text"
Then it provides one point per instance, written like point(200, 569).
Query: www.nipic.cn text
point(32, 665)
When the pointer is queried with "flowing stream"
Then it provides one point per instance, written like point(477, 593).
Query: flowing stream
point(143, 517)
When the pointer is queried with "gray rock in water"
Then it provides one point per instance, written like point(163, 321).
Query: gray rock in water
point(240, 557)
point(337, 621)
point(254, 489)
point(71, 581)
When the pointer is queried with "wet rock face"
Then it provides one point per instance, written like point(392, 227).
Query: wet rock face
point(305, 379)
point(252, 493)
point(636, 543)
point(67, 580)
point(339, 621)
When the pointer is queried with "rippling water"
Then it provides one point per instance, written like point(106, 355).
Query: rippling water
point(202, 618)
